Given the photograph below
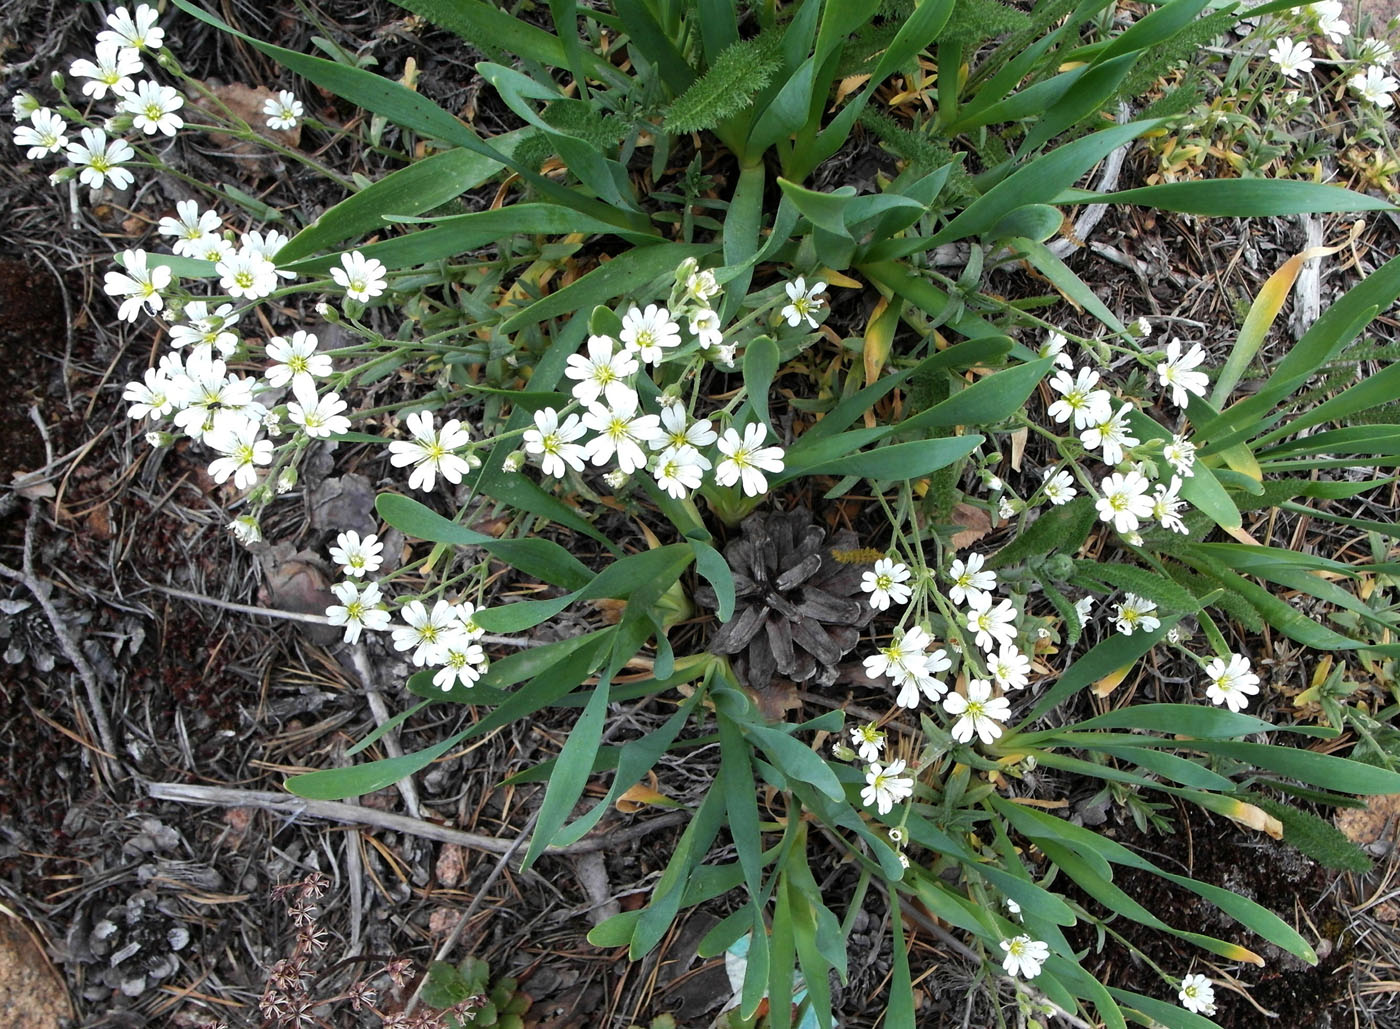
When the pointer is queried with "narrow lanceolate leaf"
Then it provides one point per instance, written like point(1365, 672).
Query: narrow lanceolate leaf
point(1247, 198)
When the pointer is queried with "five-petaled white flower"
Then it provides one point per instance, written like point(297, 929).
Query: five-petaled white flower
point(1112, 434)
point(803, 301)
point(675, 429)
point(247, 274)
point(152, 108)
point(1054, 346)
point(431, 451)
point(1377, 51)
point(1374, 86)
point(357, 556)
point(236, 438)
point(868, 740)
point(1079, 399)
point(1329, 19)
point(1125, 502)
point(969, 579)
point(600, 369)
point(1197, 994)
point(1293, 58)
point(295, 360)
point(902, 658)
point(553, 442)
point(885, 787)
point(1024, 956)
point(112, 70)
point(201, 329)
point(993, 625)
point(283, 111)
point(463, 661)
point(1231, 683)
point(191, 228)
point(704, 326)
point(1180, 453)
point(150, 398)
point(428, 633)
point(357, 609)
point(649, 332)
point(361, 277)
point(319, 417)
point(1177, 373)
point(140, 33)
point(1166, 506)
point(100, 160)
point(44, 135)
point(1135, 612)
point(1059, 487)
point(620, 429)
point(678, 470)
point(1010, 668)
point(138, 284)
point(746, 459)
point(701, 285)
point(886, 583)
point(978, 714)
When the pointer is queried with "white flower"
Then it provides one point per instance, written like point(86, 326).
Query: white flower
point(265, 243)
point(140, 32)
point(1292, 58)
point(112, 70)
point(905, 661)
point(283, 111)
point(1134, 613)
point(1079, 399)
point(620, 429)
point(553, 442)
point(428, 633)
point(247, 274)
point(1143, 327)
point(463, 661)
point(190, 227)
point(357, 556)
point(886, 787)
point(1125, 502)
point(152, 108)
point(24, 104)
point(700, 286)
point(1082, 609)
point(295, 361)
point(1010, 668)
point(724, 355)
point(357, 609)
point(993, 625)
point(886, 583)
point(1329, 19)
point(1112, 434)
point(43, 135)
point(138, 284)
point(1377, 51)
point(746, 459)
point(969, 580)
point(1177, 374)
point(1054, 346)
point(431, 451)
point(704, 326)
point(246, 530)
point(1232, 683)
point(237, 440)
point(675, 430)
point(1166, 505)
point(319, 417)
point(204, 330)
point(99, 159)
point(803, 301)
point(1373, 85)
point(205, 390)
point(361, 277)
point(678, 470)
point(868, 740)
point(649, 332)
point(1180, 453)
point(1197, 994)
point(1059, 487)
point(978, 714)
point(600, 369)
point(1024, 956)
point(151, 398)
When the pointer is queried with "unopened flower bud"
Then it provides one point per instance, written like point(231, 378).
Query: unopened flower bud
point(259, 495)
point(160, 439)
point(1143, 327)
point(616, 479)
point(246, 529)
point(286, 480)
point(327, 312)
point(56, 77)
point(63, 175)
point(119, 124)
point(841, 752)
point(514, 461)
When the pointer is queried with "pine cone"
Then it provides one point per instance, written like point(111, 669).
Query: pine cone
point(797, 610)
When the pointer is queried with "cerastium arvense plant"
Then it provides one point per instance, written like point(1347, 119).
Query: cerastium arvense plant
point(613, 330)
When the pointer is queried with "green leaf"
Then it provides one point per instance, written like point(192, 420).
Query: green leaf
point(736, 76)
point(760, 366)
point(1159, 1012)
point(1325, 770)
point(1144, 583)
point(1246, 198)
point(892, 462)
point(1109, 656)
point(1181, 719)
point(537, 558)
point(1063, 529)
point(487, 27)
point(797, 760)
point(987, 401)
point(899, 1009)
point(1043, 259)
point(710, 563)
